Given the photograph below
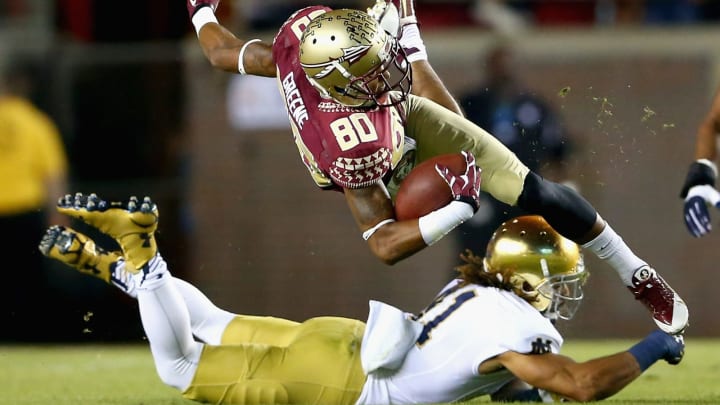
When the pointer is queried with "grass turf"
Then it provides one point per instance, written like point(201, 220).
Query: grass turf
point(125, 375)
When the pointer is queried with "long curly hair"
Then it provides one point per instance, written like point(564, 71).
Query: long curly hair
point(473, 272)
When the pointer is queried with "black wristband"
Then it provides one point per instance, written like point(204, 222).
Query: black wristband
point(698, 174)
point(475, 204)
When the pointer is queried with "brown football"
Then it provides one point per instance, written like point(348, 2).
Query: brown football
point(424, 190)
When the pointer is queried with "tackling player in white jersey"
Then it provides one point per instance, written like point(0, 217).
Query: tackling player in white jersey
point(484, 334)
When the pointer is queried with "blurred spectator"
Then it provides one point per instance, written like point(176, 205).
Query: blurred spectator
point(33, 175)
point(525, 123)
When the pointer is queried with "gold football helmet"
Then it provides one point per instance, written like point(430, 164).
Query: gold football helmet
point(348, 57)
point(544, 264)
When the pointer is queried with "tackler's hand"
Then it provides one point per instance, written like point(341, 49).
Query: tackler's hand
point(673, 345)
point(465, 187)
point(676, 349)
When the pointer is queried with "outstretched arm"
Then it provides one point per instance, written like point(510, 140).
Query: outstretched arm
point(699, 189)
point(708, 132)
point(223, 49)
point(588, 381)
point(426, 83)
point(597, 378)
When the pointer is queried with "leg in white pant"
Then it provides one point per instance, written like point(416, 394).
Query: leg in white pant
point(166, 322)
point(207, 320)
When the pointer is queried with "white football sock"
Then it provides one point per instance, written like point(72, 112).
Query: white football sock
point(123, 279)
point(152, 273)
point(609, 246)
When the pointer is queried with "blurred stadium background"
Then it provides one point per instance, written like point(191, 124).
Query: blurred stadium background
point(143, 113)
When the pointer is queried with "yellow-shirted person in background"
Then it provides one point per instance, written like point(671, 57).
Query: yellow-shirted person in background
point(33, 173)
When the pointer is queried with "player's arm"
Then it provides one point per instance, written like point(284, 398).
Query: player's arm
point(391, 240)
point(708, 132)
point(594, 379)
point(426, 83)
point(588, 381)
point(223, 49)
point(699, 189)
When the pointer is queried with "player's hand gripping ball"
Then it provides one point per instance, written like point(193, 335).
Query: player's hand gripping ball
point(424, 190)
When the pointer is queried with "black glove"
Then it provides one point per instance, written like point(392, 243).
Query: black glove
point(699, 174)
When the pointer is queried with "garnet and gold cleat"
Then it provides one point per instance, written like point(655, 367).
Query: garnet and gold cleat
point(669, 310)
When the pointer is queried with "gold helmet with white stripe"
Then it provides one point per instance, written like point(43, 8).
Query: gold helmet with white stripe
point(544, 264)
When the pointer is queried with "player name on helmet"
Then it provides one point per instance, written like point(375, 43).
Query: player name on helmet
point(294, 101)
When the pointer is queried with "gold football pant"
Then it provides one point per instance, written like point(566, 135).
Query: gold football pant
point(438, 131)
point(266, 360)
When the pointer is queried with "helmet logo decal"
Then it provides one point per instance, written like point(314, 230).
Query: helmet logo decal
point(351, 55)
point(348, 55)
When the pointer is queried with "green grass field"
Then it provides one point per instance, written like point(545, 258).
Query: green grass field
point(125, 375)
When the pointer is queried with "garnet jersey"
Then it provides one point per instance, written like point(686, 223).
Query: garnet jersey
point(463, 327)
point(340, 146)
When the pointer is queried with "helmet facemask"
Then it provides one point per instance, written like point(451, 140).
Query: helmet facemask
point(372, 89)
point(562, 294)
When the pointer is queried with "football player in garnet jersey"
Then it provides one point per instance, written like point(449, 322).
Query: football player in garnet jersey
point(496, 342)
point(360, 126)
